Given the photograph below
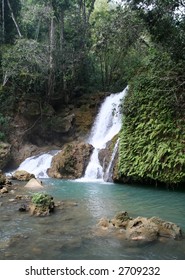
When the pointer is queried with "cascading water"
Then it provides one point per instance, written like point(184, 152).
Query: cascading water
point(107, 124)
point(38, 165)
point(108, 173)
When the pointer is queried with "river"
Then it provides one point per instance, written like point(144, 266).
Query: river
point(71, 233)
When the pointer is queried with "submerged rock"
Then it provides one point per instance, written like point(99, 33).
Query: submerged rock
point(140, 228)
point(72, 161)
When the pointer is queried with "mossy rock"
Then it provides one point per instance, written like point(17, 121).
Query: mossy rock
point(41, 205)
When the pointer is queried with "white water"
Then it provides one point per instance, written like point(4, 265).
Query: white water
point(106, 125)
point(108, 173)
point(37, 165)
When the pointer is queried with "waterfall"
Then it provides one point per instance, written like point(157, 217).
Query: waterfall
point(108, 173)
point(38, 164)
point(106, 125)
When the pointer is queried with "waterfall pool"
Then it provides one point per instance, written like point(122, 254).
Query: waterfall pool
point(71, 233)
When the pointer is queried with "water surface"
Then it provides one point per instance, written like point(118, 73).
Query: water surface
point(71, 232)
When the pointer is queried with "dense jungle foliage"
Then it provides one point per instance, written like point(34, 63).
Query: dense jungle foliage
point(152, 146)
point(66, 48)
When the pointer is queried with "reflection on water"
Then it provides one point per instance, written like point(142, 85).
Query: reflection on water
point(70, 233)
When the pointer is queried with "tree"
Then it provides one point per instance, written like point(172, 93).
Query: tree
point(165, 21)
point(116, 31)
point(9, 20)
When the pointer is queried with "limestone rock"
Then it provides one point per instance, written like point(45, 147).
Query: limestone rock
point(5, 154)
point(4, 190)
point(22, 175)
point(34, 183)
point(42, 205)
point(141, 228)
point(72, 161)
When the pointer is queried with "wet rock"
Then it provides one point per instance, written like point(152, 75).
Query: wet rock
point(71, 162)
point(167, 229)
point(121, 220)
point(41, 205)
point(4, 190)
point(24, 208)
point(141, 228)
point(104, 223)
point(22, 175)
point(16, 239)
point(12, 200)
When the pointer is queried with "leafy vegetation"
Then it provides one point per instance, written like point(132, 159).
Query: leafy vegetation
point(152, 145)
point(41, 199)
point(58, 49)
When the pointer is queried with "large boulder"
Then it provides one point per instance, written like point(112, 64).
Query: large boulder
point(71, 162)
point(141, 228)
point(22, 175)
point(5, 154)
point(108, 158)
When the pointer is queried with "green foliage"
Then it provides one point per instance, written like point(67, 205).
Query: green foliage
point(25, 66)
point(115, 32)
point(41, 199)
point(165, 21)
point(152, 137)
point(4, 127)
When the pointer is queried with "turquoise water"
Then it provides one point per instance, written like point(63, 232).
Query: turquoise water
point(71, 232)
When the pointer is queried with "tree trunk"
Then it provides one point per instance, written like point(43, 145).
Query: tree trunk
point(13, 18)
point(51, 77)
point(3, 22)
point(62, 48)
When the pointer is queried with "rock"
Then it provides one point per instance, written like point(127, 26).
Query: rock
point(104, 223)
point(121, 220)
point(11, 199)
point(4, 190)
point(22, 175)
point(41, 205)
point(71, 162)
point(167, 229)
point(105, 156)
point(5, 154)
point(24, 208)
point(34, 183)
point(63, 124)
point(141, 228)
